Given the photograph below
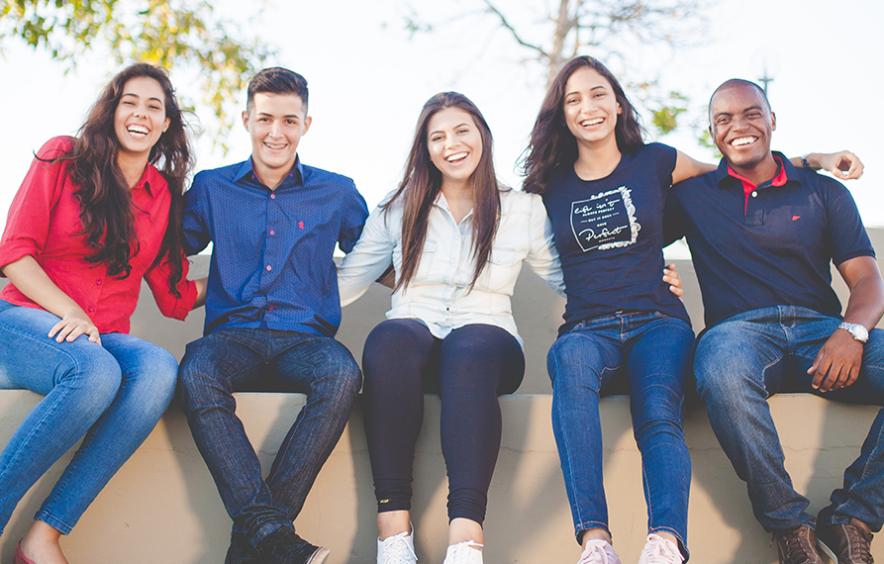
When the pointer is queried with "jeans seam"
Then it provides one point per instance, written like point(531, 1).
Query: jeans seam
point(571, 480)
point(51, 411)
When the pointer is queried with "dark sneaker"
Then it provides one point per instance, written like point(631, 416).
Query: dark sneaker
point(845, 543)
point(797, 546)
point(240, 551)
point(283, 546)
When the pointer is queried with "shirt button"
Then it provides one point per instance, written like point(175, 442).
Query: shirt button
point(99, 282)
point(270, 308)
point(268, 268)
point(91, 309)
point(754, 194)
point(272, 232)
point(272, 196)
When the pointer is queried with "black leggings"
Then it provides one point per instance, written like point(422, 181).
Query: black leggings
point(468, 369)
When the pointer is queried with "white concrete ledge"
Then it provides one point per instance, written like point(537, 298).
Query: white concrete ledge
point(162, 507)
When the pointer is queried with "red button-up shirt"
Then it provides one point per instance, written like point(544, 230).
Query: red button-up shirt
point(44, 222)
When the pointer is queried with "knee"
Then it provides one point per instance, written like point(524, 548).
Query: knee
point(390, 338)
point(196, 376)
point(340, 377)
point(722, 369)
point(572, 364)
point(660, 416)
point(99, 373)
point(157, 381)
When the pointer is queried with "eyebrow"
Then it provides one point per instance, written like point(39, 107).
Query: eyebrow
point(286, 116)
point(137, 96)
point(743, 111)
point(461, 124)
point(599, 87)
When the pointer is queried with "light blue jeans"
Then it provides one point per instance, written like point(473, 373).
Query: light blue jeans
point(747, 358)
point(113, 393)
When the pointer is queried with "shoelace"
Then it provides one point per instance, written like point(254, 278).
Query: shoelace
point(859, 543)
point(660, 551)
point(464, 552)
point(796, 547)
point(397, 550)
point(596, 553)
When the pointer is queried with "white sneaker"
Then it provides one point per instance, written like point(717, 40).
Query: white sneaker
point(398, 549)
point(599, 551)
point(659, 550)
point(467, 552)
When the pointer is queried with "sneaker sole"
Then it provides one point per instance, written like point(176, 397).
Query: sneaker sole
point(827, 552)
point(319, 556)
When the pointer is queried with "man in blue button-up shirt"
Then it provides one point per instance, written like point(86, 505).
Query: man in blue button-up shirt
point(272, 309)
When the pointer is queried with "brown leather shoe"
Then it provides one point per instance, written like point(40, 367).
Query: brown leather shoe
point(846, 543)
point(797, 546)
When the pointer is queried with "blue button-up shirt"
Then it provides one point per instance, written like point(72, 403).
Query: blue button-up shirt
point(272, 251)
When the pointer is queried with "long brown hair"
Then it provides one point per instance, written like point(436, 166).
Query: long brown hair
point(552, 147)
point(104, 196)
point(421, 183)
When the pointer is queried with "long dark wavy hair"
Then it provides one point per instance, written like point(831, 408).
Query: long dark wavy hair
point(104, 197)
point(552, 147)
point(421, 183)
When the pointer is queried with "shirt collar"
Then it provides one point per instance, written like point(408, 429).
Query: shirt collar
point(295, 177)
point(150, 181)
point(785, 173)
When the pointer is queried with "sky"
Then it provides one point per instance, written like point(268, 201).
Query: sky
point(368, 80)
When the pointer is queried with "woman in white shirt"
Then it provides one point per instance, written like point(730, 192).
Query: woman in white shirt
point(456, 239)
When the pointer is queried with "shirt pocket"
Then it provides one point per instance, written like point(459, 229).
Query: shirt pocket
point(428, 267)
point(789, 229)
point(503, 268)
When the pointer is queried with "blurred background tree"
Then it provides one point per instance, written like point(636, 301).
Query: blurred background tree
point(186, 35)
point(613, 31)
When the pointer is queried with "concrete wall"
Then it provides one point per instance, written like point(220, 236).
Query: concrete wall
point(162, 507)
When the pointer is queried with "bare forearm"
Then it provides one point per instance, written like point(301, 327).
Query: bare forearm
point(866, 303)
point(32, 281)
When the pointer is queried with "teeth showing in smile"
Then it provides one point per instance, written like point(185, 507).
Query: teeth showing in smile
point(740, 141)
point(275, 146)
point(137, 130)
point(591, 122)
point(456, 157)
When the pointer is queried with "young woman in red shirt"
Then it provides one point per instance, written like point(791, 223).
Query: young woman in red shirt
point(95, 214)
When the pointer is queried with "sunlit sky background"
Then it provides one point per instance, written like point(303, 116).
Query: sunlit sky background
point(368, 80)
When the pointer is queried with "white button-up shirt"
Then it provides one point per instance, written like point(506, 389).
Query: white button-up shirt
point(439, 293)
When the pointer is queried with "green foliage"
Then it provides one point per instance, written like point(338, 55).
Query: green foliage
point(169, 33)
point(664, 114)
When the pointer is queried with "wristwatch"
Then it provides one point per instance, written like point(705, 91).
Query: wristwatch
point(857, 331)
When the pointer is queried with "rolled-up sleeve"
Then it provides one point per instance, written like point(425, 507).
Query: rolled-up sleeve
point(543, 257)
point(27, 225)
point(371, 257)
point(170, 305)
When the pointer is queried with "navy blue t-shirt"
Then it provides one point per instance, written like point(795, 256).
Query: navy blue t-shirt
point(773, 247)
point(609, 235)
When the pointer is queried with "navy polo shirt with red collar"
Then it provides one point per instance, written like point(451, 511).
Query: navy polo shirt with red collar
point(766, 245)
point(272, 250)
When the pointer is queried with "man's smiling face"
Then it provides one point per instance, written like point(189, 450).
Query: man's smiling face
point(741, 124)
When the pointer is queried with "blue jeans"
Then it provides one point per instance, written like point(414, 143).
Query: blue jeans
point(113, 393)
point(648, 354)
point(747, 358)
point(244, 359)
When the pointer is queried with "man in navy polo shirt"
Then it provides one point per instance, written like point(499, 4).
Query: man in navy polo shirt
point(762, 234)
point(272, 310)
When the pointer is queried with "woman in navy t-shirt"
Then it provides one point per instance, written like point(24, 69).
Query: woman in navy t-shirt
point(605, 190)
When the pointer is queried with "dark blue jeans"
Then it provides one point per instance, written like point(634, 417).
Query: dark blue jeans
point(648, 355)
point(243, 359)
point(747, 358)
